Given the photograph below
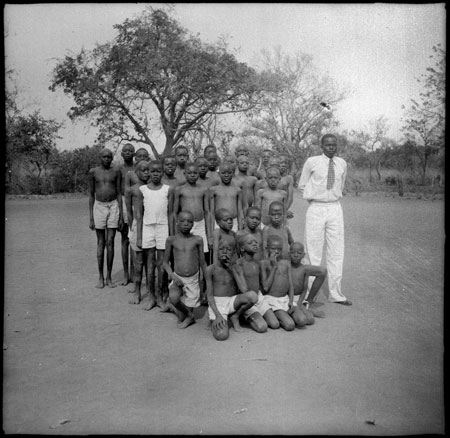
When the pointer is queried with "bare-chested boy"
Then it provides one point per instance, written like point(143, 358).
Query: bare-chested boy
point(247, 181)
point(225, 224)
point(182, 156)
point(188, 259)
point(277, 283)
point(264, 164)
point(169, 167)
point(131, 178)
point(278, 228)
point(152, 217)
point(264, 197)
point(243, 150)
point(213, 164)
point(228, 196)
point(247, 275)
point(251, 225)
point(142, 170)
point(304, 315)
point(203, 179)
point(105, 211)
point(127, 259)
point(194, 198)
point(274, 161)
point(286, 181)
point(223, 295)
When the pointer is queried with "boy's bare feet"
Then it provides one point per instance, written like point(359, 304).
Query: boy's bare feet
point(166, 307)
point(317, 313)
point(135, 298)
point(100, 284)
point(235, 321)
point(344, 303)
point(126, 281)
point(150, 303)
point(189, 320)
point(109, 283)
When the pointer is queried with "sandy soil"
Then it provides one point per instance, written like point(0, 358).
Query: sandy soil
point(79, 360)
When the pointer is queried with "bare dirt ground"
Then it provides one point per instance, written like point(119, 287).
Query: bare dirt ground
point(80, 360)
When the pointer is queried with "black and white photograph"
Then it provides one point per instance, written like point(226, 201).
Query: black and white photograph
point(224, 219)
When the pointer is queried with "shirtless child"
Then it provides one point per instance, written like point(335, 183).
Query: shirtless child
point(300, 273)
point(277, 284)
point(264, 197)
point(286, 182)
point(105, 211)
point(127, 259)
point(223, 295)
point(213, 164)
point(169, 167)
point(247, 181)
point(225, 225)
point(242, 150)
point(188, 259)
point(246, 274)
point(277, 227)
point(142, 170)
point(228, 196)
point(131, 178)
point(251, 225)
point(182, 156)
point(203, 179)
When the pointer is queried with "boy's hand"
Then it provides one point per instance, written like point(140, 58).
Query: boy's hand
point(120, 222)
point(92, 224)
point(139, 243)
point(291, 308)
point(272, 260)
point(219, 322)
point(176, 281)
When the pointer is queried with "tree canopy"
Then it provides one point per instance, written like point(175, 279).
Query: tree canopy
point(155, 69)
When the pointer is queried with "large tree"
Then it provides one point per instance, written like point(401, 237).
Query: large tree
point(424, 124)
point(294, 117)
point(155, 69)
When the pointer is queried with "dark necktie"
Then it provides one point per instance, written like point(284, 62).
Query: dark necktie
point(330, 179)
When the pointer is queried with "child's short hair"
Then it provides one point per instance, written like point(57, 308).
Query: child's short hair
point(200, 158)
point(140, 164)
point(227, 238)
point(225, 164)
point(181, 146)
point(185, 212)
point(190, 164)
point(273, 238)
point(156, 163)
point(220, 213)
point(273, 169)
point(168, 157)
point(142, 150)
point(300, 244)
point(209, 147)
point(252, 208)
point(275, 204)
point(240, 238)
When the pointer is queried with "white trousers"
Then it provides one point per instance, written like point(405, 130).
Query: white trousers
point(325, 224)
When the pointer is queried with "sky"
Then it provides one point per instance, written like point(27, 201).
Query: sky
point(376, 49)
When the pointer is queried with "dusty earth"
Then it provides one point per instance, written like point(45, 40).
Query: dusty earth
point(79, 360)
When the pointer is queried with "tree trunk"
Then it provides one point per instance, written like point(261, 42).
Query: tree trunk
point(400, 185)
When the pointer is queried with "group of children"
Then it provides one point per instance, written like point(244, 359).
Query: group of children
point(205, 234)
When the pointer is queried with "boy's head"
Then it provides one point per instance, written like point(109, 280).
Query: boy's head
point(248, 243)
point(273, 177)
point(181, 155)
point(243, 163)
point(231, 161)
point(241, 150)
point(226, 172)
point(208, 149)
point(224, 219)
point(141, 154)
point(274, 161)
point(169, 164)
point(253, 217)
point(191, 172)
point(284, 163)
point(185, 221)
point(128, 153)
point(156, 171)
point(142, 170)
point(106, 157)
point(329, 145)
point(265, 156)
point(202, 165)
point(213, 161)
point(296, 252)
point(227, 246)
point(274, 246)
point(276, 213)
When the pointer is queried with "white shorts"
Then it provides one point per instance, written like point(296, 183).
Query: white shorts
point(106, 214)
point(132, 237)
point(155, 235)
point(199, 229)
point(191, 290)
point(261, 306)
point(277, 303)
point(225, 306)
point(235, 225)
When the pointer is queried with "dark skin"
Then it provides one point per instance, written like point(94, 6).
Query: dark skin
point(225, 224)
point(252, 221)
point(169, 167)
point(105, 184)
point(277, 228)
point(264, 197)
point(247, 181)
point(188, 257)
point(181, 156)
point(220, 282)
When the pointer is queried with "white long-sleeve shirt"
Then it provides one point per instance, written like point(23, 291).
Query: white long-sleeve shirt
point(313, 180)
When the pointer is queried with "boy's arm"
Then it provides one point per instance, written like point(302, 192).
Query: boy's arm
point(290, 192)
point(304, 177)
point(268, 270)
point(289, 236)
point(174, 200)
point(240, 216)
point(238, 274)
point(216, 236)
point(207, 218)
point(258, 198)
point(139, 212)
point(129, 205)
point(91, 180)
point(219, 321)
point(119, 196)
point(212, 207)
point(291, 286)
point(201, 256)
point(264, 234)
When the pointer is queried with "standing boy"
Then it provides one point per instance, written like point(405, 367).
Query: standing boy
point(277, 284)
point(242, 150)
point(213, 164)
point(223, 295)
point(278, 228)
point(247, 181)
point(153, 230)
point(187, 251)
point(181, 156)
point(203, 179)
point(127, 259)
point(227, 195)
point(251, 226)
point(105, 211)
point(169, 167)
point(142, 170)
point(265, 196)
